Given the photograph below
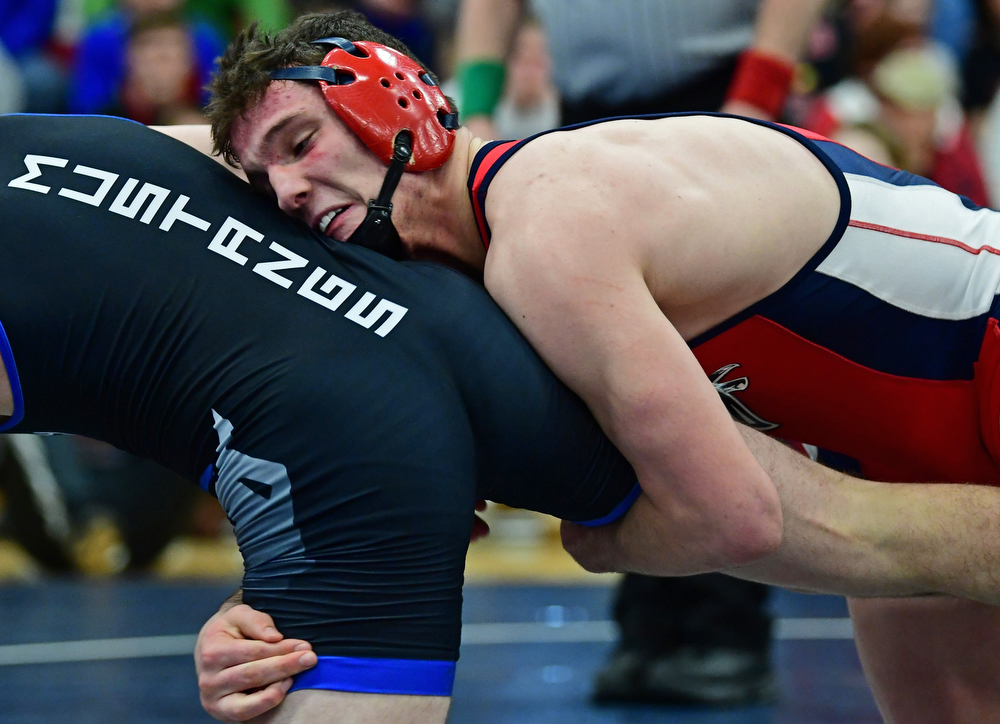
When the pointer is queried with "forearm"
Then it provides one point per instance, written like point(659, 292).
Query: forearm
point(855, 537)
point(783, 27)
point(486, 29)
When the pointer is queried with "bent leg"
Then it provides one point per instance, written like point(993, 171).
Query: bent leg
point(930, 660)
point(315, 706)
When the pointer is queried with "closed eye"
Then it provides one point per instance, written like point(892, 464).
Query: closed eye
point(301, 146)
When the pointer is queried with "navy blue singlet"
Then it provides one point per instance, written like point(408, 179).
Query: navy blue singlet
point(347, 410)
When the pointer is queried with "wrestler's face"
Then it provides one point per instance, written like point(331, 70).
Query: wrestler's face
point(294, 148)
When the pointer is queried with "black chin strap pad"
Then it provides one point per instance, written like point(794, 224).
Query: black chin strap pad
point(377, 232)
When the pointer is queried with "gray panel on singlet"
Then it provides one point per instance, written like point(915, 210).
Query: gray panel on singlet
point(257, 497)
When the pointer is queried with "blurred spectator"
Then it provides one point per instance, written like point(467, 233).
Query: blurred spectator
point(31, 77)
point(908, 114)
point(226, 16)
point(878, 27)
point(161, 84)
point(102, 61)
point(953, 24)
point(403, 19)
point(530, 104)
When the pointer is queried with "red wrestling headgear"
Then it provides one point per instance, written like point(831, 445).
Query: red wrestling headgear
point(378, 92)
point(395, 108)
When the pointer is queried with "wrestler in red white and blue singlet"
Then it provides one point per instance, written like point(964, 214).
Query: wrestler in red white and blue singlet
point(885, 345)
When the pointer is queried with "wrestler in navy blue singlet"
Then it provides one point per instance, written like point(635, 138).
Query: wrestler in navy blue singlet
point(346, 410)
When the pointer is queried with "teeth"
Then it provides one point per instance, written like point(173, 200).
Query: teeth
point(324, 223)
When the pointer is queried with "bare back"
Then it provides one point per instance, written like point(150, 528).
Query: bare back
point(718, 211)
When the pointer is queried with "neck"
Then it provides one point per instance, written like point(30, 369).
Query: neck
point(440, 223)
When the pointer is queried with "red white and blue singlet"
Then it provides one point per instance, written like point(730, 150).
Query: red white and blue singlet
point(885, 345)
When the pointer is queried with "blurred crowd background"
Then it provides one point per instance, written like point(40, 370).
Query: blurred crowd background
point(910, 83)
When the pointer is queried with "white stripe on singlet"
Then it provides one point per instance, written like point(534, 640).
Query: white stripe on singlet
point(918, 248)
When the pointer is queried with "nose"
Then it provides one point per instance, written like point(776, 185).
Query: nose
point(290, 187)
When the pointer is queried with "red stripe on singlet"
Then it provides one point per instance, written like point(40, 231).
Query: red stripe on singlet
point(478, 208)
point(922, 237)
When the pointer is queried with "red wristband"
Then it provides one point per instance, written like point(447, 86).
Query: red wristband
point(761, 80)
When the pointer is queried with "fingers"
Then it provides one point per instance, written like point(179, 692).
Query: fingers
point(246, 690)
point(252, 624)
point(241, 707)
point(480, 505)
point(222, 652)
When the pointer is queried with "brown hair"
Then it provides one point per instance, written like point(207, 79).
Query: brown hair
point(245, 69)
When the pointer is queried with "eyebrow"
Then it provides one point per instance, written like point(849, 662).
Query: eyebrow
point(268, 140)
point(278, 128)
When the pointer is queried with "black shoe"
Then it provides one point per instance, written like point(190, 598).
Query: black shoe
point(621, 679)
point(715, 677)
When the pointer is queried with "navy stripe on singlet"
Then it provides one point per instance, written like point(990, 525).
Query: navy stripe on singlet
point(855, 324)
point(850, 161)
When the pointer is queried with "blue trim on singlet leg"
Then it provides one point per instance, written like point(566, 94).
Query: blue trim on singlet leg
point(379, 676)
point(7, 354)
point(205, 481)
point(621, 509)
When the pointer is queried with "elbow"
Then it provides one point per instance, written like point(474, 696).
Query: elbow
point(754, 541)
point(754, 532)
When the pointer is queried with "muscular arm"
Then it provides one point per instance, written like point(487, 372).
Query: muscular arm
point(707, 504)
point(861, 538)
point(851, 537)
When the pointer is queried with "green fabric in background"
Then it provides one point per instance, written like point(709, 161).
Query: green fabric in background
point(222, 14)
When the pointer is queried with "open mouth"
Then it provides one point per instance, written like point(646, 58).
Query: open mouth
point(325, 222)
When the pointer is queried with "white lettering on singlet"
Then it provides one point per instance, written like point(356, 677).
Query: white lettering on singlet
point(97, 198)
point(331, 294)
point(269, 269)
point(158, 194)
point(239, 231)
point(307, 289)
point(358, 316)
point(34, 164)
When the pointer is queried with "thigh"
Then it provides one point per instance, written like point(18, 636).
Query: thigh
point(930, 660)
point(340, 707)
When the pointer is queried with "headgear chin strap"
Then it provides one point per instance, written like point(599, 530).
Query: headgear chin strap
point(377, 232)
point(395, 108)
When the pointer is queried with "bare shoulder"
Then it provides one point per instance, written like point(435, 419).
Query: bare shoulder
point(713, 212)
